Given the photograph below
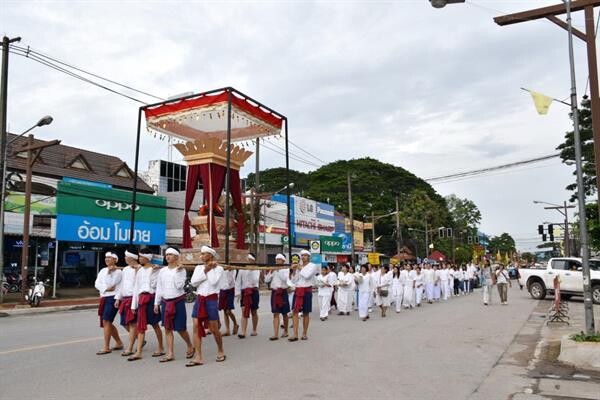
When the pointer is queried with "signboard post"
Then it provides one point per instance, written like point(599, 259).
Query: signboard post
point(373, 258)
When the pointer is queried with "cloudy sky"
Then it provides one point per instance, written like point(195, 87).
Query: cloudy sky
point(434, 91)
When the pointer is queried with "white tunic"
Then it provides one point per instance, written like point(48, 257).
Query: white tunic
point(325, 283)
point(228, 280)
point(207, 283)
point(306, 276)
point(145, 282)
point(169, 284)
point(364, 282)
point(108, 279)
point(246, 279)
point(278, 279)
point(127, 283)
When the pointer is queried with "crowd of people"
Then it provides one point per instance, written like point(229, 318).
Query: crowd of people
point(145, 295)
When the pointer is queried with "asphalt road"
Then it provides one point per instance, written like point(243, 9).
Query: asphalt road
point(440, 351)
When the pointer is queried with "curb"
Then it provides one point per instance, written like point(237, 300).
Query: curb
point(46, 310)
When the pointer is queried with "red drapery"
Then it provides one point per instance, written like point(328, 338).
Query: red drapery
point(213, 178)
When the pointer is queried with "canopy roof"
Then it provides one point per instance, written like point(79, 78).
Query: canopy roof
point(204, 115)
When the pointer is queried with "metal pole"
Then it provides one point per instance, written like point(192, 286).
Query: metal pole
point(590, 35)
point(228, 176)
point(567, 241)
point(351, 220)
point(35, 263)
point(373, 230)
point(289, 192)
point(55, 270)
point(3, 139)
point(135, 178)
point(583, 234)
point(398, 235)
point(26, 214)
point(426, 240)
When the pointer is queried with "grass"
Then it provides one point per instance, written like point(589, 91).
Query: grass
point(583, 337)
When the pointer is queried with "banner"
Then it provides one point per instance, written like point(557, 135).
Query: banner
point(311, 220)
point(40, 204)
point(331, 244)
point(359, 242)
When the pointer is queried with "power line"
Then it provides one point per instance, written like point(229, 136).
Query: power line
point(310, 154)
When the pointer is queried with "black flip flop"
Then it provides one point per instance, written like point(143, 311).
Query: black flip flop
point(134, 358)
point(164, 360)
point(241, 336)
point(221, 359)
point(190, 355)
point(158, 354)
point(103, 352)
point(127, 353)
point(293, 339)
point(193, 364)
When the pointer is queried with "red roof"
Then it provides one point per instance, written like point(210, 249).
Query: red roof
point(437, 256)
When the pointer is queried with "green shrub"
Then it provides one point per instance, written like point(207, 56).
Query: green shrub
point(583, 337)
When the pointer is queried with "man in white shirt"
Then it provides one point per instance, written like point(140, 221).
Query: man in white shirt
point(303, 278)
point(107, 283)
point(227, 300)
point(124, 297)
point(280, 305)
point(207, 279)
point(142, 303)
point(246, 286)
point(170, 296)
point(326, 281)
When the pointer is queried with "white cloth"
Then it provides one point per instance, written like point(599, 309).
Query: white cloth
point(345, 291)
point(207, 283)
point(326, 284)
point(227, 280)
point(169, 284)
point(127, 283)
point(278, 278)
point(502, 276)
point(145, 282)
point(305, 277)
point(385, 283)
point(419, 286)
point(487, 292)
point(407, 297)
point(106, 280)
point(246, 279)
point(325, 304)
point(397, 293)
point(445, 288)
point(364, 290)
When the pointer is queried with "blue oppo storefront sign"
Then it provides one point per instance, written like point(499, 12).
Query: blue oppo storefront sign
point(102, 215)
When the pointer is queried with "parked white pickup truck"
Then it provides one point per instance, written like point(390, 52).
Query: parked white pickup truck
point(540, 282)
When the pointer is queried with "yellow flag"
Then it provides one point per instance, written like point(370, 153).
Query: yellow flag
point(498, 256)
point(541, 101)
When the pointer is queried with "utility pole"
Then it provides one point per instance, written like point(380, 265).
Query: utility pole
point(256, 203)
point(426, 240)
point(398, 234)
point(567, 241)
point(373, 230)
point(351, 219)
point(33, 152)
point(3, 138)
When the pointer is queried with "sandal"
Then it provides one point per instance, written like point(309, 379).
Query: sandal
point(117, 347)
point(102, 352)
point(241, 336)
point(304, 338)
point(134, 358)
point(127, 353)
point(158, 354)
point(225, 334)
point(253, 334)
point(235, 329)
point(284, 335)
point(190, 355)
point(165, 359)
point(221, 358)
point(273, 338)
point(293, 339)
point(193, 363)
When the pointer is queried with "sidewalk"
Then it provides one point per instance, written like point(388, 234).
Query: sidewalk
point(529, 368)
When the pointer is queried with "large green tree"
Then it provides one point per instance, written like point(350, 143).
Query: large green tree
point(505, 243)
point(567, 151)
point(464, 212)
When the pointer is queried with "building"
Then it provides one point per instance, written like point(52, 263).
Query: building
point(78, 262)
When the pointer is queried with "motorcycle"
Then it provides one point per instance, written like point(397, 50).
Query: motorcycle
point(190, 292)
point(36, 293)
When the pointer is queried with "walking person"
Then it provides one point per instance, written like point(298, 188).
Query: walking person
point(462, 276)
point(363, 283)
point(325, 282)
point(345, 291)
point(143, 303)
point(246, 286)
point(374, 273)
point(436, 284)
point(107, 283)
point(407, 279)
point(418, 286)
point(304, 278)
point(124, 297)
point(456, 273)
point(397, 289)
point(444, 278)
point(227, 300)
point(170, 297)
point(503, 282)
point(486, 282)
point(207, 279)
point(383, 297)
point(280, 304)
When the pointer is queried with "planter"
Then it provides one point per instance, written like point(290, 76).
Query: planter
point(584, 355)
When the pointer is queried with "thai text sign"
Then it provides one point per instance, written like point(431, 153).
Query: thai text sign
point(100, 215)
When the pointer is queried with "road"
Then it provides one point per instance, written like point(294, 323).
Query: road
point(439, 351)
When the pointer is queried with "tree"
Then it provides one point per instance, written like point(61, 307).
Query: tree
point(593, 226)
point(464, 212)
point(567, 151)
point(529, 257)
point(275, 179)
point(505, 243)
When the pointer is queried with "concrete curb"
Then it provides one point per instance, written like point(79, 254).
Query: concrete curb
point(45, 310)
point(584, 355)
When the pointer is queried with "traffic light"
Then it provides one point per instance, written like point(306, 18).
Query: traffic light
point(543, 237)
point(441, 232)
point(470, 240)
point(449, 232)
point(551, 232)
point(541, 229)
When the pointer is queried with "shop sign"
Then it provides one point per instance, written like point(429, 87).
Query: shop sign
point(373, 258)
point(331, 244)
point(315, 246)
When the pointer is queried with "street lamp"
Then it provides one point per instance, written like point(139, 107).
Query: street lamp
point(47, 120)
point(442, 3)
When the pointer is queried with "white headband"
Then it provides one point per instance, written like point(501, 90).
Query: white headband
point(147, 255)
point(172, 251)
point(251, 257)
point(303, 252)
point(112, 255)
point(280, 257)
point(206, 249)
point(131, 255)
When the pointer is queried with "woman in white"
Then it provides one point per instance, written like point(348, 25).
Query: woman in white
point(383, 297)
point(406, 277)
point(397, 289)
point(345, 291)
point(325, 282)
point(363, 281)
point(465, 280)
point(428, 279)
point(418, 285)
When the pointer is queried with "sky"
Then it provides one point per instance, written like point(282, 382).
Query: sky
point(434, 91)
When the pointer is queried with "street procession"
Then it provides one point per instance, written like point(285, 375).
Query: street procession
point(303, 199)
